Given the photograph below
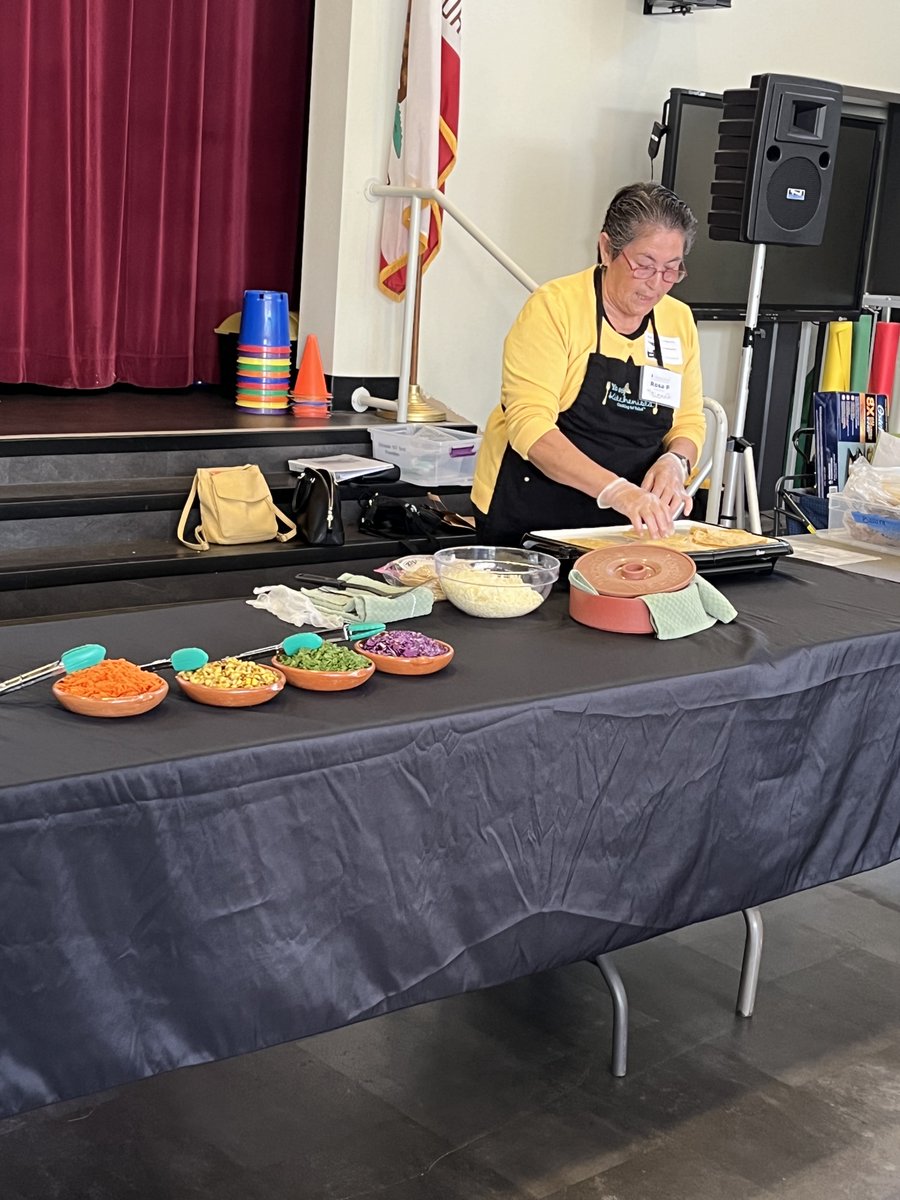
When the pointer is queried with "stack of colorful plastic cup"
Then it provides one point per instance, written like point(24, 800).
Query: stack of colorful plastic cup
point(264, 353)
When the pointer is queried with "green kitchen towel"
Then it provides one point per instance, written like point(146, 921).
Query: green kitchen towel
point(358, 605)
point(694, 608)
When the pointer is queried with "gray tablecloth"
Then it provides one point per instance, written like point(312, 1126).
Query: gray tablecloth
point(196, 882)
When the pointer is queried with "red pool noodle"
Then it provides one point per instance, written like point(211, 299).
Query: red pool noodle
point(884, 357)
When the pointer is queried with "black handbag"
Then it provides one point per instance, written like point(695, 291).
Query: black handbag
point(317, 507)
point(389, 516)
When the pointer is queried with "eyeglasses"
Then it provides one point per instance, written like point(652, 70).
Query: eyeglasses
point(642, 271)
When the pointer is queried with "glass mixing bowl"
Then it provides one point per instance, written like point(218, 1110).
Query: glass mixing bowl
point(496, 581)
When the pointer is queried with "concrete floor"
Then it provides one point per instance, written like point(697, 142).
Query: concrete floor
point(505, 1095)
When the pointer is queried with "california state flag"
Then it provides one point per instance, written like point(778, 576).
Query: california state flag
point(423, 144)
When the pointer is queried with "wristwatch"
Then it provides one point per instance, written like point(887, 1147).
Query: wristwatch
point(684, 460)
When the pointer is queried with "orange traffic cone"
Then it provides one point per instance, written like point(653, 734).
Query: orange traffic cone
point(310, 384)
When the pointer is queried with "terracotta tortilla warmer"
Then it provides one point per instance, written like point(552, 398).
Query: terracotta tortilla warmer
point(621, 576)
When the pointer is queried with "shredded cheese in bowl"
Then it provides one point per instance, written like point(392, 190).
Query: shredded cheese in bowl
point(488, 581)
point(489, 594)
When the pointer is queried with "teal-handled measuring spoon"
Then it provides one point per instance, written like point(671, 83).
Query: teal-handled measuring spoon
point(75, 659)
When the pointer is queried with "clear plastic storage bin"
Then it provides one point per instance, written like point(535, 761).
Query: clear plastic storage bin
point(428, 456)
point(874, 527)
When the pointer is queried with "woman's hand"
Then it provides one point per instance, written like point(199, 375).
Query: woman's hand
point(666, 480)
point(646, 512)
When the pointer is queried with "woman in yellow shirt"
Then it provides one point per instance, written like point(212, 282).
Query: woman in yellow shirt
point(601, 410)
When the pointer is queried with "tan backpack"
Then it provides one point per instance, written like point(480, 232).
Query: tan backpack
point(236, 507)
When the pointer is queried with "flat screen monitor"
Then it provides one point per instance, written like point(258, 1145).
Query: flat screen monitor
point(800, 282)
point(884, 270)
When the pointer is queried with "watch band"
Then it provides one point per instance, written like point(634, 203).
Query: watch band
point(684, 460)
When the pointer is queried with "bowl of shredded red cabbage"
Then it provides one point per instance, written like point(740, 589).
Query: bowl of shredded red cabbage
point(406, 652)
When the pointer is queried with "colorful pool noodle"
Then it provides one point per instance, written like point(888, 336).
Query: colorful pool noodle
point(862, 352)
point(838, 353)
point(884, 358)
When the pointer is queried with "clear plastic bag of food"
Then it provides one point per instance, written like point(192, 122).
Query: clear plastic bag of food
point(873, 485)
point(414, 570)
point(872, 497)
point(887, 450)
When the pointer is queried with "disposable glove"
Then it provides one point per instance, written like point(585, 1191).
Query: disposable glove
point(646, 512)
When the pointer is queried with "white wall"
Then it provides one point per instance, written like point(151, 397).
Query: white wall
point(556, 108)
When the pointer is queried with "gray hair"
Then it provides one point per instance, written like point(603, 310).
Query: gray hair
point(641, 206)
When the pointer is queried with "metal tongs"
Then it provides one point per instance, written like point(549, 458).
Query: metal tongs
point(311, 641)
point(191, 658)
point(70, 660)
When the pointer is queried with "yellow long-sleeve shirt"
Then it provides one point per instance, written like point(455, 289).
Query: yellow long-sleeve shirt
point(544, 361)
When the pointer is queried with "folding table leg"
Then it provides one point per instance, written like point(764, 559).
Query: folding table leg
point(753, 944)
point(610, 973)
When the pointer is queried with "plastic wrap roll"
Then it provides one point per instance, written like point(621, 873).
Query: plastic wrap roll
point(862, 350)
point(884, 358)
point(838, 353)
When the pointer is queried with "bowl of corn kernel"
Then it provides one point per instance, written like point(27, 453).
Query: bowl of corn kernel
point(231, 683)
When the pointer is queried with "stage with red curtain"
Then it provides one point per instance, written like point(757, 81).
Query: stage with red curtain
point(153, 161)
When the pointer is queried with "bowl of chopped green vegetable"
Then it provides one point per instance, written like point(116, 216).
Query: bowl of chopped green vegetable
point(331, 667)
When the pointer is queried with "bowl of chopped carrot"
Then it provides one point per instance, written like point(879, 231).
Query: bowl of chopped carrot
point(114, 687)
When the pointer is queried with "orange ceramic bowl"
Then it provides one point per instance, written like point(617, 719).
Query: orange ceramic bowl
point(231, 697)
point(121, 706)
point(325, 681)
point(426, 664)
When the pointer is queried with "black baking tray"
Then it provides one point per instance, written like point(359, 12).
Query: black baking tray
point(737, 560)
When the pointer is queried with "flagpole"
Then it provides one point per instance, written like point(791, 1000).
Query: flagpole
point(420, 406)
point(412, 403)
point(417, 317)
point(412, 273)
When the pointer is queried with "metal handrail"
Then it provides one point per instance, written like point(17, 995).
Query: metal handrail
point(714, 467)
point(433, 196)
point(361, 398)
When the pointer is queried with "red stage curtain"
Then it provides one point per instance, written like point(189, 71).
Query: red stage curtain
point(153, 154)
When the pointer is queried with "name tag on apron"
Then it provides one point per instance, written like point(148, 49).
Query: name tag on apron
point(670, 346)
point(659, 386)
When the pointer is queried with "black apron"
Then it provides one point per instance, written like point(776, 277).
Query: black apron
point(609, 423)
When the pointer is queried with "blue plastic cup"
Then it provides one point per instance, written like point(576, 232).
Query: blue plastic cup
point(264, 319)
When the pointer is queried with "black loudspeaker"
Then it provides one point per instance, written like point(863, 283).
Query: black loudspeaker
point(775, 162)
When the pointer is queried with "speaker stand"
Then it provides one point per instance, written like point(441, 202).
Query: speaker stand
point(740, 500)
